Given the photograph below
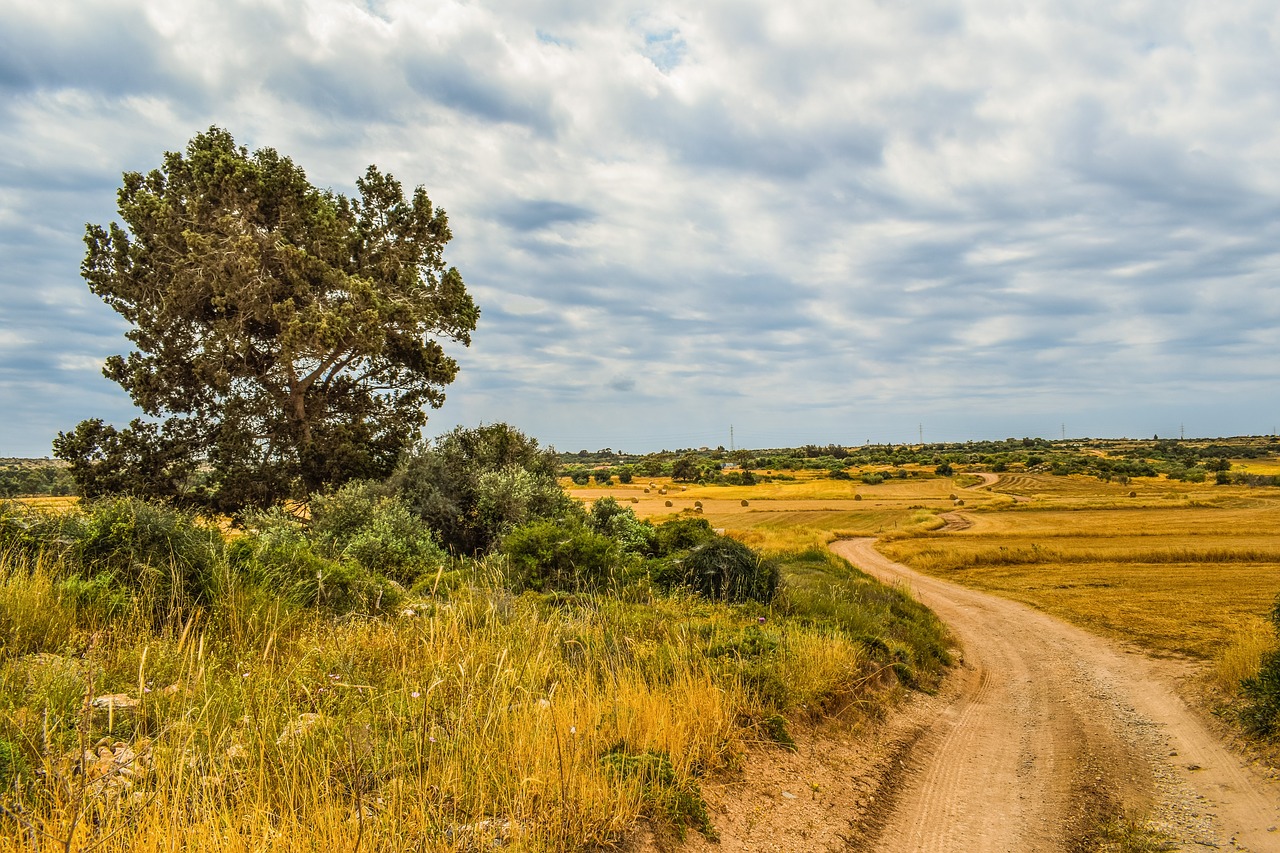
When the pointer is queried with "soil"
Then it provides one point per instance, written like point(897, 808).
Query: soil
point(1043, 736)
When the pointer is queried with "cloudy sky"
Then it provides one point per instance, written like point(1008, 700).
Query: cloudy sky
point(815, 221)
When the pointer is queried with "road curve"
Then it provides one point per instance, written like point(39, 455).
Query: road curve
point(1052, 730)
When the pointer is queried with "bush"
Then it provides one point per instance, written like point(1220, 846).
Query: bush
point(603, 476)
point(609, 518)
point(276, 554)
point(723, 569)
point(1261, 714)
point(559, 555)
point(872, 478)
point(625, 474)
point(581, 478)
point(681, 534)
point(161, 556)
point(359, 522)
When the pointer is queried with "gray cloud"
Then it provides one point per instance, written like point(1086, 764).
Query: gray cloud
point(815, 221)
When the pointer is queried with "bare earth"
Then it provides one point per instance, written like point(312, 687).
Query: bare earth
point(1053, 729)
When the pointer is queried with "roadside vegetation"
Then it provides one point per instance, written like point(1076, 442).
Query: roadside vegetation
point(456, 657)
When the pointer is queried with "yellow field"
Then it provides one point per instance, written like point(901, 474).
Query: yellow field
point(1179, 568)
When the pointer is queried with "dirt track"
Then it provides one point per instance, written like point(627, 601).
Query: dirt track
point(1052, 729)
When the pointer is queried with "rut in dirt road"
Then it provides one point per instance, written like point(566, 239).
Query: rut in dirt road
point(1054, 731)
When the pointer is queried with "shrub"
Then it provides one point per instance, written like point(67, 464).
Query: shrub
point(1261, 714)
point(582, 478)
point(277, 554)
point(872, 478)
point(944, 470)
point(160, 555)
point(609, 518)
point(603, 476)
point(723, 569)
point(551, 554)
point(625, 474)
point(360, 522)
point(681, 534)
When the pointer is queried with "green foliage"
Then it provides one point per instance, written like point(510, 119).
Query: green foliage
point(19, 477)
point(626, 474)
point(665, 797)
point(723, 569)
point(603, 476)
point(775, 727)
point(276, 554)
point(561, 555)
point(620, 524)
point(944, 469)
point(687, 468)
point(681, 534)
point(1261, 713)
point(580, 477)
point(288, 336)
point(361, 523)
point(872, 478)
point(471, 486)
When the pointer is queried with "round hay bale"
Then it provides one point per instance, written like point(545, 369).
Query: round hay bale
point(698, 508)
point(646, 491)
point(857, 497)
point(668, 503)
point(662, 491)
point(746, 503)
point(636, 500)
point(952, 496)
point(697, 503)
point(1133, 494)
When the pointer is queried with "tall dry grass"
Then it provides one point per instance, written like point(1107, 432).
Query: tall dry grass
point(534, 722)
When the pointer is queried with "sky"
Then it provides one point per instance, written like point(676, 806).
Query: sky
point(758, 223)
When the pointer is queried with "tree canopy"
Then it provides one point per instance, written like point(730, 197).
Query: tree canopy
point(287, 338)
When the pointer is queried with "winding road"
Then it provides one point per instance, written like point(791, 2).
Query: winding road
point(1051, 731)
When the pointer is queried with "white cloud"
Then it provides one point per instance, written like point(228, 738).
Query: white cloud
point(743, 210)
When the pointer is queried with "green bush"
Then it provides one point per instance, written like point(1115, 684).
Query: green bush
point(609, 518)
point(681, 534)
point(581, 478)
point(603, 476)
point(1261, 713)
point(359, 522)
point(723, 569)
point(277, 554)
point(625, 474)
point(162, 556)
point(561, 555)
point(666, 796)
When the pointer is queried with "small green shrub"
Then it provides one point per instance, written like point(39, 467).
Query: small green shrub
point(723, 569)
point(561, 555)
point(1261, 713)
point(277, 554)
point(665, 795)
point(609, 518)
point(681, 534)
point(359, 522)
point(603, 477)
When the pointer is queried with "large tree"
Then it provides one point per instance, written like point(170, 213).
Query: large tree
point(287, 338)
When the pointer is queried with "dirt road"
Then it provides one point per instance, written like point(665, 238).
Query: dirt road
point(1052, 731)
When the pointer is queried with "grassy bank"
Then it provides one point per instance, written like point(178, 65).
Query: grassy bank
point(136, 717)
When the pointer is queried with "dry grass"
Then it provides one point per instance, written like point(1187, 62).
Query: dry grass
point(1179, 572)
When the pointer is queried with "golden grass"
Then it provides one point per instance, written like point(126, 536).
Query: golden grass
point(1241, 657)
point(1176, 579)
point(484, 719)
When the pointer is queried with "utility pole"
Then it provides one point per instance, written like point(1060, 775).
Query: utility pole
point(731, 448)
point(1064, 432)
point(1182, 432)
point(921, 435)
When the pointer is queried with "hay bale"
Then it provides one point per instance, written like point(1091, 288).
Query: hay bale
point(668, 503)
point(746, 503)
